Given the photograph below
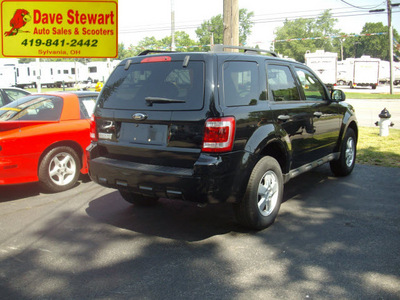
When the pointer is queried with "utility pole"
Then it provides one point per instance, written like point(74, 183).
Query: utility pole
point(172, 25)
point(389, 10)
point(211, 30)
point(231, 22)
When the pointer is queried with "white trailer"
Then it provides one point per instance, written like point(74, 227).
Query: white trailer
point(384, 72)
point(345, 70)
point(101, 70)
point(25, 76)
point(19, 75)
point(7, 75)
point(53, 74)
point(324, 64)
point(7, 71)
point(58, 74)
point(396, 73)
point(366, 72)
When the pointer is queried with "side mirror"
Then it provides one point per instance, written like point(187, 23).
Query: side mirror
point(338, 95)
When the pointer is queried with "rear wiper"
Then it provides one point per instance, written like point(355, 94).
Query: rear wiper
point(151, 100)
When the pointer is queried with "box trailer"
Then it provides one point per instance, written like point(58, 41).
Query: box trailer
point(324, 64)
point(366, 72)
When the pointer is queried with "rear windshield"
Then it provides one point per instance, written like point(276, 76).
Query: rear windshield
point(155, 86)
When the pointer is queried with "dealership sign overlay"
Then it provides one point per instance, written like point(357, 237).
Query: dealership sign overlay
point(59, 29)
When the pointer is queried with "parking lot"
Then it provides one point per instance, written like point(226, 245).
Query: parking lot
point(335, 238)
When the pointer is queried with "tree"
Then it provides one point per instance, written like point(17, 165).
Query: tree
point(122, 52)
point(182, 43)
point(245, 25)
point(148, 43)
point(313, 33)
point(215, 26)
point(351, 46)
point(300, 28)
point(376, 45)
point(25, 60)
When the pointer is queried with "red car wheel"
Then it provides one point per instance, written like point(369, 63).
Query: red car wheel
point(59, 169)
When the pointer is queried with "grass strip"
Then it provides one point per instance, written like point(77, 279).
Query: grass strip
point(371, 96)
point(376, 150)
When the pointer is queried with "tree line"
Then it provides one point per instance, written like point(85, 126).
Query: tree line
point(313, 33)
point(324, 26)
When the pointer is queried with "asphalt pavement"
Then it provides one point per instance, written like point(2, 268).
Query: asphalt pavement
point(334, 238)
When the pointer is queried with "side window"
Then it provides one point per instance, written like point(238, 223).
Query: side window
point(87, 105)
point(312, 87)
point(2, 102)
point(240, 83)
point(46, 110)
point(14, 94)
point(281, 83)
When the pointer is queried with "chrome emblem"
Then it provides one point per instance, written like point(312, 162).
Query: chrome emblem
point(139, 117)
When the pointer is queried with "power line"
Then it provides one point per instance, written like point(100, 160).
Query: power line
point(260, 19)
point(197, 23)
point(299, 13)
point(360, 7)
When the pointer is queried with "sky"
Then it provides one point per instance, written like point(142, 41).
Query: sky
point(140, 19)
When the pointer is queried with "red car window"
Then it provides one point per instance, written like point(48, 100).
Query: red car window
point(36, 109)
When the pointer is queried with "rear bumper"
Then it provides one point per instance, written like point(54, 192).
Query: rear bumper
point(213, 179)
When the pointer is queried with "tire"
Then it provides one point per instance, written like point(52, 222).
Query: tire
point(59, 169)
point(345, 164)
point(263, 196)
point(137, 199)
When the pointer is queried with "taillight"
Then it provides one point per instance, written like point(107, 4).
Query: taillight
point(93, 131)
point(219, 134)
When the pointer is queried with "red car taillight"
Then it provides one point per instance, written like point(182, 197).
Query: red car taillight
point(219, 134)
point(93, 131)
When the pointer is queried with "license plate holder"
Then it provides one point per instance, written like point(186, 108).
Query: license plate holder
point(147, 134)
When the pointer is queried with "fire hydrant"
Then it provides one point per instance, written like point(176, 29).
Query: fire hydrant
point(384, 122)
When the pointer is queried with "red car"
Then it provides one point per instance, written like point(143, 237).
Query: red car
point(43, 138)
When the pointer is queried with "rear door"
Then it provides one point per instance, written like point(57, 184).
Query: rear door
point(325, 113)
point(242, 94)
point(293, 115)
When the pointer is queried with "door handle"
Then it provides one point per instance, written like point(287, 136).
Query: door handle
point(318, 114)
point(283, 118)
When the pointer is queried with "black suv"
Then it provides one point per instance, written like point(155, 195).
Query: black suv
point(217, 127)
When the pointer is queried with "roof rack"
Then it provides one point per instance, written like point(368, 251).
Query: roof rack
point(145, 52)
point(220, 48)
